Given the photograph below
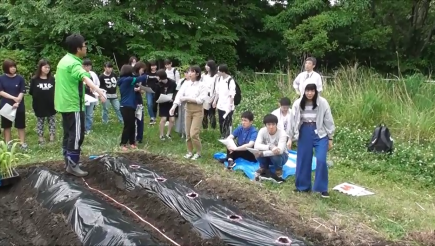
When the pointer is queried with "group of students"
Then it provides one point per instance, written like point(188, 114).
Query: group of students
point(195, 100)
point(309, 122)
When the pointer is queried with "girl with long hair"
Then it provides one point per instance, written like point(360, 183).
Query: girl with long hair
point(42, 91)
point(312, 125)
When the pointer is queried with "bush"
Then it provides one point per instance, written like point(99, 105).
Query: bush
point(25, 65)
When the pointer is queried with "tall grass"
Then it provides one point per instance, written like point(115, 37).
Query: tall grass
point(360, 97)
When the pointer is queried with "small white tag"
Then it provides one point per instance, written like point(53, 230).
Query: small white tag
point(315, 131)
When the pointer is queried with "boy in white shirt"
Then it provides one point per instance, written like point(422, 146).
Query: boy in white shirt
point(283, 114)
point(171, 72)
point(308, 75)
point(224, 100)
point(272, 145)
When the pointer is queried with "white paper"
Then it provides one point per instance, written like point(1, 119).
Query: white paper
point(146, 89)
point(352, 190)
point(89, 100)
point(164, 98)
point(229, 143)
point(8, 112)
point(253, 151)
point(139, 109)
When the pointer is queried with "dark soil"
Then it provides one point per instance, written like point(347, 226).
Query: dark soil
point(24, 222)
point(289, 222)
point(147, 206)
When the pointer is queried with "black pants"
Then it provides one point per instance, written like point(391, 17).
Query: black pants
point(73, 124)
point(129, 130)
point(225, 124)
point(209, 115)
point(246, 155)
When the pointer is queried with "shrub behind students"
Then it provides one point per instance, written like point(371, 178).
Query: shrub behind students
point(127, 87)
point(42, 92)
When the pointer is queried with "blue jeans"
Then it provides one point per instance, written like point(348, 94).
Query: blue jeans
point(276, 161)
point(115, 105)
point(89, 114)
point(309, 140)
point(150, 105)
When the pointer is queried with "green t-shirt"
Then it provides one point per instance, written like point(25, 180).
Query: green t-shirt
point(69, 84)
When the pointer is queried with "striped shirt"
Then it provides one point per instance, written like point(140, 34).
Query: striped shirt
point(309, 114)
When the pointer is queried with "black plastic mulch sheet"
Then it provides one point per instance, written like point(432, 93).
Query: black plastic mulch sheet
point(93, 220)
point(209, 216)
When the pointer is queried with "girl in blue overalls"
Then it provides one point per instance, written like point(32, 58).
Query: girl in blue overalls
point(312, 126)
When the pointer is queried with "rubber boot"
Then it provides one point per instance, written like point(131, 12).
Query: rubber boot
point(74, 169)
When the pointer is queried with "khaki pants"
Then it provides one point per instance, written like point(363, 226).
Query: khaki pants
point(194, 116)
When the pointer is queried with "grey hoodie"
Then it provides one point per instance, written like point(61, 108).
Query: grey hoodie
point(324, 121)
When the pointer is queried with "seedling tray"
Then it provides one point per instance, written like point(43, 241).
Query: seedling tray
point(11, 180)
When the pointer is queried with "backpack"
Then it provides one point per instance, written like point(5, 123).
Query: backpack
point(238, 96)
point(381, 141)
point(175, 70)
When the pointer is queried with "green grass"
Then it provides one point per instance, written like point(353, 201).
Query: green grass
point(403, 183)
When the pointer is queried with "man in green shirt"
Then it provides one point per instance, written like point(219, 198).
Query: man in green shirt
point(69, 100)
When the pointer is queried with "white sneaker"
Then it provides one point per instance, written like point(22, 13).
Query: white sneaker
point(196, 156)
point(167, 123)
point(188, 155)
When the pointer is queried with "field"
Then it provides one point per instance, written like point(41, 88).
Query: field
point(402, 211)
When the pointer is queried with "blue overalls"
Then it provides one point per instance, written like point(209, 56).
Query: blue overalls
point(309, 140)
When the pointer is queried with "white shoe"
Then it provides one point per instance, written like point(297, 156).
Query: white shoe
point(196, 157)
point(167, 123)
point(188, 155)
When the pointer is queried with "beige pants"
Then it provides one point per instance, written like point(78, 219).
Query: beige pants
point(194, 116)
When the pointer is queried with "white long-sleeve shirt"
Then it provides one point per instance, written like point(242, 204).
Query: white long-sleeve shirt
point(303, 78)
point(173, 74)
point(265, 140)
point(193, 90)
point(283, 121)
point(224, 93)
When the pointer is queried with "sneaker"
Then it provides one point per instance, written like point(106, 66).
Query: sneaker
point(278, 173)
point(124, 148)
point(196, 157)
point(301, 191)
point(167, 123)
point(87, 132)
point(152, 122)
point(162, 138)
point(139, 141)
point(258, 173)
point(168, 137)
point(41, 142)
point(76, 171)
point(231, 164)
point(188, 155)
point(23, 146)
point(325, 194)
point(133, 146)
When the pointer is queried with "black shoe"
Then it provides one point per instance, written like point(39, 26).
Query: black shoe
point(301, 191)
point(325, 194)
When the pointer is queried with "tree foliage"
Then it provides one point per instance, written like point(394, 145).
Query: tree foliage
point(250, 34)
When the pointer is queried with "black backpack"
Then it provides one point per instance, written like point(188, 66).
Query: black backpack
point(381, 141)
point(238, 96)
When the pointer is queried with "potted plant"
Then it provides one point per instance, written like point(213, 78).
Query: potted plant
point(9, 159)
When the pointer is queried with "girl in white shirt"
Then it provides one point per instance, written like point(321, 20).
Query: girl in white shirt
point(210, 79)
point(193, 93)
